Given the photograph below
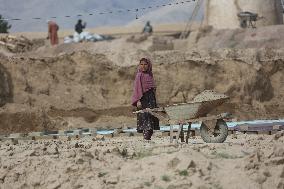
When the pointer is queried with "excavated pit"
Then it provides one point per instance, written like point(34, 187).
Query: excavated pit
point(90, 84)
point(91, 88)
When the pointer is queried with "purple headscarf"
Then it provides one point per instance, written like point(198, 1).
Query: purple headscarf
point(144, 81)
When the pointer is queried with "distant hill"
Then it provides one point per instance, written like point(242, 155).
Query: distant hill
point(28, 9)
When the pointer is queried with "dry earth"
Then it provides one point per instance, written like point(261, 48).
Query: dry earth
point(90, 84)
point(243, 161)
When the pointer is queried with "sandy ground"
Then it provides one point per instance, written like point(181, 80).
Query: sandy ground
point(243, 161)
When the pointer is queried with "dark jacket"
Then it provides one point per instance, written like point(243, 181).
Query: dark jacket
point(79, 27)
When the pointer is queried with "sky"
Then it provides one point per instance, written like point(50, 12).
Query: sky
point(117, 14)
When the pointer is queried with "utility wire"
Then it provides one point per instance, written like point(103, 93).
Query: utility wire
point(133, 10)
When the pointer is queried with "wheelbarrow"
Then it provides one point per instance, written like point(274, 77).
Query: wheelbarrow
point(213, 127)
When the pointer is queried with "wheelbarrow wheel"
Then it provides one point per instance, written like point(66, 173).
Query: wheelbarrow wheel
point(219, 134)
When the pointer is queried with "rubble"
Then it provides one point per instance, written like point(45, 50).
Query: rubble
point(18, 44)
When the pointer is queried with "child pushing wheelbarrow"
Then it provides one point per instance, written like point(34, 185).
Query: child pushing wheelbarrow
point(213, 127)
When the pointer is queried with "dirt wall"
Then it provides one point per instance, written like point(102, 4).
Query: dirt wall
point(69, 84)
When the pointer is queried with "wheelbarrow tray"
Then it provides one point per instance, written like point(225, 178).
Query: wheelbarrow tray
point(215, 131)
point(192, 110)
point(201, 105)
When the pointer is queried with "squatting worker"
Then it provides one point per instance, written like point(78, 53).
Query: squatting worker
point(145, 94)
point(52, 32)
point(148, 29)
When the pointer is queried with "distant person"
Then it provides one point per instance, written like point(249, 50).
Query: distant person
point(145, 94)
point(79, 26)
point(52, 32)
point(148, 29)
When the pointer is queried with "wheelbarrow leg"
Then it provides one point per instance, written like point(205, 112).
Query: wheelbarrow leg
point(179, 132)
point(188, 131)
point(171, 134)
point(178, 135)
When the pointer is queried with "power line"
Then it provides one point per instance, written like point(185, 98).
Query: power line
point(133, 10)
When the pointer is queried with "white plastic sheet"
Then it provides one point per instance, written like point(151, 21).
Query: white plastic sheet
point(84, 36)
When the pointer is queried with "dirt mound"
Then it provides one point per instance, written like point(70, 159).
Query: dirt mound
point(20, 44)
point(265, 165)
point(264, 37)
point(118, 51)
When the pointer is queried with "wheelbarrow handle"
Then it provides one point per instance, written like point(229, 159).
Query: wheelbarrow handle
point(149, 110)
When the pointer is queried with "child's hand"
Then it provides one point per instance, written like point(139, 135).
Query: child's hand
point(139, 106)
point(134, 108)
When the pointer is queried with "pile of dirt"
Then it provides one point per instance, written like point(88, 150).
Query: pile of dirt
point(265, 165)
point(264, 37)
point(120, 51)
point(20, 44)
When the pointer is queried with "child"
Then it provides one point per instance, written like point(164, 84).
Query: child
point(145, 94)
